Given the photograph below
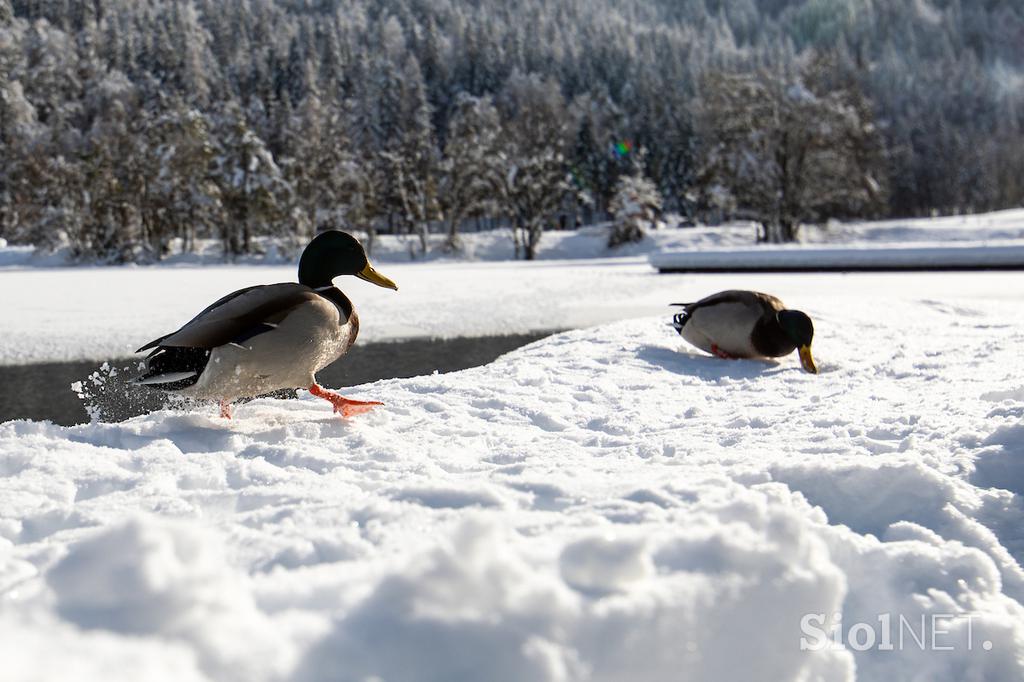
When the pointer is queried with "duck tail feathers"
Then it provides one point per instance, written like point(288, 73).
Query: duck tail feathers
point(680, 319)
point(169, 378)
point(173, 368)
point(152, 344)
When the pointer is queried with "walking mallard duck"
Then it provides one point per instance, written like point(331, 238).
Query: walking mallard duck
point(746, 324)
point(269, 337)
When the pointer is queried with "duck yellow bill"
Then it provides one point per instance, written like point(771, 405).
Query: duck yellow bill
point(374, 277)
point(807, 360)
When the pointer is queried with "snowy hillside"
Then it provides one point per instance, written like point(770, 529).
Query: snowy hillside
point(600, 505)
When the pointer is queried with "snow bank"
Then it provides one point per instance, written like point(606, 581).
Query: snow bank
point(152, 578)
point(601, 505)
point(963, 256)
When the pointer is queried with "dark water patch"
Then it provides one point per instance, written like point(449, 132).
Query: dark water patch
point(44, 391)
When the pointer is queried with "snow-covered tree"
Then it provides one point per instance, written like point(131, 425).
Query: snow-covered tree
point(251, 186)
point(180, 197)
point(636, 204)
point(412, 158)
point(942, 79)
point(470, 169)
point(534, 178)
point(108, 227)
point(789, 155)
point(321, 166)
point(601, 149)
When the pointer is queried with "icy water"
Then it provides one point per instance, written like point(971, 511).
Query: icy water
point(44, 391)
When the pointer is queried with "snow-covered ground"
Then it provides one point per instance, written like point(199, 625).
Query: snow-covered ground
point(995, 226)
point(601, 505)
point(605, 504)
point(591, 242)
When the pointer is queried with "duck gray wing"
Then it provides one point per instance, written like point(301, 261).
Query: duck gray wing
point(238, 316)
point(733, 304)
point(755, 300)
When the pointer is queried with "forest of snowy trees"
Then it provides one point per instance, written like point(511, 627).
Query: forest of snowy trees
point(131, 127)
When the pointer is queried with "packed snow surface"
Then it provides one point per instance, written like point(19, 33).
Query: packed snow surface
point(605, 504)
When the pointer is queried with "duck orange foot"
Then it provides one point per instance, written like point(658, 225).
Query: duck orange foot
point(346, 407)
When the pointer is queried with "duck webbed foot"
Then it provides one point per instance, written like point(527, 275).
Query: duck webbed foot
point(225, 409)
point(721, 353)
point(342, 405)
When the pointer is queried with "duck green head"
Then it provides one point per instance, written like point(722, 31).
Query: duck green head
point(334, 253)
point(799, 328)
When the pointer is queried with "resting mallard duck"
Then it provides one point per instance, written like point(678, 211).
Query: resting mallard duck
point(746, 324)
point(269, 337)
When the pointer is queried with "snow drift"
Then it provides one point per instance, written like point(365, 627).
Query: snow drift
point(600, 505)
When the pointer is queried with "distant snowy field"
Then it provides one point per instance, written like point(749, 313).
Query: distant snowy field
point(98, 313)
point(601, 505)
point(591, 242)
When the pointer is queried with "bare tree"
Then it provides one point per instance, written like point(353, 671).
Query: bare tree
point(534, 179)
point(470, 170)
point(789, 155)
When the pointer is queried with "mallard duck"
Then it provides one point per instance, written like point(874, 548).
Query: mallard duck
point(746, 324)
point(269, 337)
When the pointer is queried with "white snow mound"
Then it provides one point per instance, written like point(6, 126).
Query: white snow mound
point(605, 504)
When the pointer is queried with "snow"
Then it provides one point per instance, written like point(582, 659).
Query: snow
point(964, 256)
point(591, 241)
point(604, 504)
point(995, 226)
point(104, 313)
